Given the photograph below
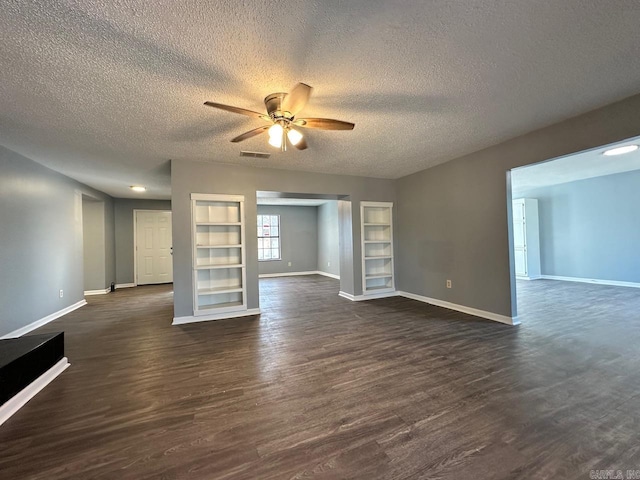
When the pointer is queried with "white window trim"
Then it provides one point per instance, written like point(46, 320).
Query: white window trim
point(279, 237)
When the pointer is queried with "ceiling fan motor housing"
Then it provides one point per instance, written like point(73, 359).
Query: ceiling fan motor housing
point(273, 103)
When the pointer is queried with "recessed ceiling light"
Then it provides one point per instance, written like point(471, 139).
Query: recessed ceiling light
point(138, 188)
point(620, 150)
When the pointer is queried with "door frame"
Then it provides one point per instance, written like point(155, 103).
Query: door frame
point(135, 237)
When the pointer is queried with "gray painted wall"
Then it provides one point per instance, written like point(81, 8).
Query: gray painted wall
point(124, 242)
point(199, 177)
point(298, 237)
point(93, 241)
point(41, 238)
point(591, 228)
point(452, 220)
point(328, 238)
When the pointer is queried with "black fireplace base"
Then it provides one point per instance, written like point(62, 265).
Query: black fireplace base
point(25, 359)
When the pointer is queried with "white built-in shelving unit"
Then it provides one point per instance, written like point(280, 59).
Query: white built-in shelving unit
point(377, 247)
point(219, 257)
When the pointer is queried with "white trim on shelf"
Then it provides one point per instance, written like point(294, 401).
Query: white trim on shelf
point(215, 316)
point(613, 283)
point(16, 402)
point(461, 308)
point(521, 277)
point(378, 275)
point(383, 224)
point(125, 285)
point(219, 290)
point(214, 267)
point(43, 321)
point(88, 293)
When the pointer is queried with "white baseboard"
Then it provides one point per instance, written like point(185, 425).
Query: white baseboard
point(537, 277)
point(16, 402)
point(214, 316)
point(614, 283)
point(286, 274)
point(330, 275)
point(125, 285)
point(96, 292)
point(43, 321)
point(348, 296)
point(461, 308)
point(295, 274)
point(371, 296)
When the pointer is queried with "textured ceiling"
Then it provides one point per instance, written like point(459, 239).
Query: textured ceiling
point(108, 91)
point(580, 166)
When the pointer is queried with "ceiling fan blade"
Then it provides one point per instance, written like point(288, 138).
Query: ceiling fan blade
point(324, 124)
point(296, 99)
point(241, 111)
point(302, 144)
point(251, 133)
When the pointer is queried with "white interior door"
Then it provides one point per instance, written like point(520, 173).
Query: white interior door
point(519, 239)
point(153, 247)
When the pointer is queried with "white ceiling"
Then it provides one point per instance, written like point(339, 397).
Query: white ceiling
point(108, 92)
point(571, 168)
point(295, 202)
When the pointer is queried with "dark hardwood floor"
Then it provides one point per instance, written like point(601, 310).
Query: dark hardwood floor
point(320, 387)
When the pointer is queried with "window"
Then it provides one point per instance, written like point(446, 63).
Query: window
point(268, 237)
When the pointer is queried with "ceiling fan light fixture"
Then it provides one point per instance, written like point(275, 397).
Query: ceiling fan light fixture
point(294, 136)
point(276, 131)
point(275, 141)
point(282, 110)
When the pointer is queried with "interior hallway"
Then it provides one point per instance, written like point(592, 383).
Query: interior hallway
point(320, 387)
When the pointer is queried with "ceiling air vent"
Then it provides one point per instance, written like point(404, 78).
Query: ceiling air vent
point(254, 154)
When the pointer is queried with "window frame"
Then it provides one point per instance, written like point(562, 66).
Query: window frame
point(279, 237)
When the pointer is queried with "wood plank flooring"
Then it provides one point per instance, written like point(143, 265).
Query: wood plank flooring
point(322, 388)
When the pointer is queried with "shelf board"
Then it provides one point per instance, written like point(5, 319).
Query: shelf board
point(219, 290)
point(381, 257)
point(378, 275)
point(219, 224)
point(377, 224)
point(237, 245)
point(219, 305)
point(211, 267)
point(377, 287)
point(377, 241)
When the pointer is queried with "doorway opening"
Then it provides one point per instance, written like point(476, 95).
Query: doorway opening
point(574, 230)
point(302, 235)
point(98, 267)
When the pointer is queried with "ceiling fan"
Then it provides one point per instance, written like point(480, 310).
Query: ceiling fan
point(282, 109)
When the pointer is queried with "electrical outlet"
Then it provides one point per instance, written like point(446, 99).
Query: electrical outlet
point(448, 283)
point(328, 264)
point(289, 264)
point(61, 293)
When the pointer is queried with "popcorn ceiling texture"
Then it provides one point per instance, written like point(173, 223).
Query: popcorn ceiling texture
point(108, 91)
